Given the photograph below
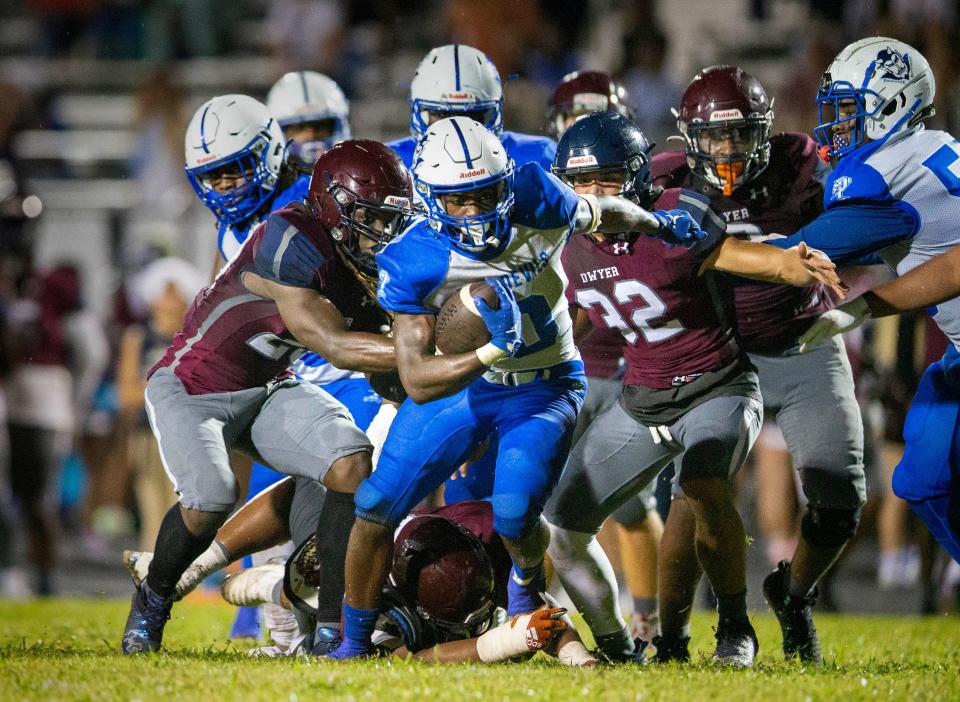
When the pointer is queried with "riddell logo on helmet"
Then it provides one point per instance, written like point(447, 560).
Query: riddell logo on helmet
point(726, 114)
point(207, 159)
point(575, 161)
point(474, 173)
point(457, 96)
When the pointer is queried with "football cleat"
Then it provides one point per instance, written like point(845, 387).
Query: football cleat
point(149, 613)
point(523, 596)
point(253, 586)
point(325, 641)
point(645, 626)
point(611, 649)
point(671, 649)
point(137, 563)
point(737, 644)
point(795, 615)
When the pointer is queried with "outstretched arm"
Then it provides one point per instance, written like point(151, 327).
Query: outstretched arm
point(799, 265)
point(929, 284)
point(613, 214)
point(319, 326)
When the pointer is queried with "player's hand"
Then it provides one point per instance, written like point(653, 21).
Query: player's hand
point(836, 321)
point(819, 265)
point(504, 323)
point(678, 227)
point(541, 627)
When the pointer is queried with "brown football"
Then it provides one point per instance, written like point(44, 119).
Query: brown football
point(459, 326)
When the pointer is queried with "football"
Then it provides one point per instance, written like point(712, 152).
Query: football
point(459, 325)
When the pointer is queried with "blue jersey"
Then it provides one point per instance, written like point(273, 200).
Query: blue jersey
point(522, 148)
point(898, 198)
point(230, 239)
point(420, 269)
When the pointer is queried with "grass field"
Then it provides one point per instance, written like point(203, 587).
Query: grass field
point(68, 650)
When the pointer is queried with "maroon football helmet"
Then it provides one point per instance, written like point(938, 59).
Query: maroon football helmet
point(726, 118)
point(362, 189)
point(582, 92)
point(445, 570)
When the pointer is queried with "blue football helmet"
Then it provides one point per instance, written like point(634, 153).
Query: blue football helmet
point(459, 155)
point(607, 141)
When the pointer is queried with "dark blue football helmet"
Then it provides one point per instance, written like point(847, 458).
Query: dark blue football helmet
point(606, 141)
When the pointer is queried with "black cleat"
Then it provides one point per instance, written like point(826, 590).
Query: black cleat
point(325, 640)
point(671, 649)
point(737, 644)
point(144, 629)
point(614, 649)
point(795, 615)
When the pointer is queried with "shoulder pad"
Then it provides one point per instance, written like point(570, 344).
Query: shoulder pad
point(668, 169)
point(410, 268)
point(542, 201)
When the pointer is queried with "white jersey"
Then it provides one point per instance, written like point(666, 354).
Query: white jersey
point(422, 268)
point(918, 171)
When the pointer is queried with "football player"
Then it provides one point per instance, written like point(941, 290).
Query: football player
point(894, 191)
point(448, 577)
point(638, 525)
point(484, 221)
point(458, 80)
point(582, 92)
point(302, 281)
point(312, 111)
point(763, 184)
point(690, 392)
point(238, 162)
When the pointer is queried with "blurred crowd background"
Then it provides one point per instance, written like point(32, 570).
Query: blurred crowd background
point(103, 244)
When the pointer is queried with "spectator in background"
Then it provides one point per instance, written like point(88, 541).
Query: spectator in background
point(652, 92)
point(167, 287)
point(188, 28)
point(58, 354)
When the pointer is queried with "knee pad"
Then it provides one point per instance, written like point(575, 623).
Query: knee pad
point(829, 528)
point(512, 517)
point(374, 505)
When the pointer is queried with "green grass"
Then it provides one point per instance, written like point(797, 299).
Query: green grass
point(68, 650)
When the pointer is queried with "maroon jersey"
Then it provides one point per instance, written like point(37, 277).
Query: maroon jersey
point(676, 323)
point(234, 340)
point(601, 349)
point(781, 200)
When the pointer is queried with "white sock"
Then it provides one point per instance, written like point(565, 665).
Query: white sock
point(587, 576)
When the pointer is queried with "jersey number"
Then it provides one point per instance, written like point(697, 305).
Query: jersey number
point(640, 320)
point(945, 164)
point(275, 348)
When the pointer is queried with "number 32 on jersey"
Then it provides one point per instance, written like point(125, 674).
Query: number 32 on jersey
point(642, 319)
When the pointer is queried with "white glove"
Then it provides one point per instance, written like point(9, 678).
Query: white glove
point(837, 321)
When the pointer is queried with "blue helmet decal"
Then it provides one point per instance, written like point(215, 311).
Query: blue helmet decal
point(893, 65)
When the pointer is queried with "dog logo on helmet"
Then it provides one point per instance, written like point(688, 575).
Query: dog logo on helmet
point(893, 65)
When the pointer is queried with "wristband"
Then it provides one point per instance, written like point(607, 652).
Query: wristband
point(490, 353)
point(594, 211)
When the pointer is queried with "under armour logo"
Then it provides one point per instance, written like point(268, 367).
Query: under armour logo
point(620, 248)
point(840, 186)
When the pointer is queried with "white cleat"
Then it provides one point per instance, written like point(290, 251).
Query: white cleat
point(137, 563)
point(253, 586)
point(645, 627)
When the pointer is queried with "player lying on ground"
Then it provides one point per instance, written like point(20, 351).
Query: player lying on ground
point(224, 384)
point(894, 191)
point(764, 184)
point(690, 392)
point(484, 221)
point(448, 577)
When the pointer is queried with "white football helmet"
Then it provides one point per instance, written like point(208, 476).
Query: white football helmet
point(891, 83)
point(307, 96)
point(456, 79)
point(239, 133)
point(460, 155)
